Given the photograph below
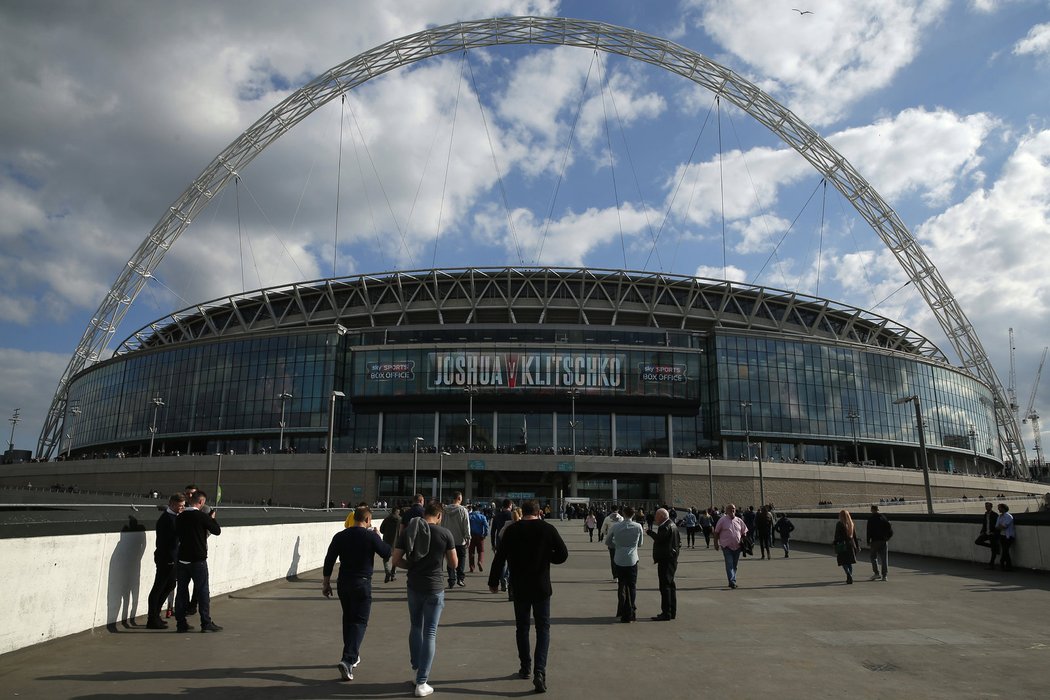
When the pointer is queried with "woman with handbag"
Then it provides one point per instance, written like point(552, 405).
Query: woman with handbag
point(846, 544)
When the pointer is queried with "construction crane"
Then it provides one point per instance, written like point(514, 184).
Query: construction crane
point(1011, 389)
point(1030, 413)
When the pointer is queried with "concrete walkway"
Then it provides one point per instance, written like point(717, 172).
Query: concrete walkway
point(936, 629)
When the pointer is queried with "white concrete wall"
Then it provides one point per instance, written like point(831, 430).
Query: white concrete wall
point(55, 586)
point(1031, 550)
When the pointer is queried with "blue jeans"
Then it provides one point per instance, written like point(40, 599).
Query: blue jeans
point(732, 557)
point(541, 614)
point(424, 613)
point(196, 571)
point(355, 597)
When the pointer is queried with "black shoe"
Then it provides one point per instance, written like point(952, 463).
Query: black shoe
point(211, 627)
point(461, 583)
point(661, 618)
point(540, 682)
point(157, 624)
point(181, 628)
point(388, 578)
point(502, 585)
point(524, 673)
point(732, 585)
point(451, 585)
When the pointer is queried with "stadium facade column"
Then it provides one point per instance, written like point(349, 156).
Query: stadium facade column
point(572, 484)
point(468, 486)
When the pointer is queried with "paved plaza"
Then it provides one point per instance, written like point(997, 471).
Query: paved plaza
point(936, 629)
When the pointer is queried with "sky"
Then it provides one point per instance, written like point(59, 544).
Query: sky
point(519, 155)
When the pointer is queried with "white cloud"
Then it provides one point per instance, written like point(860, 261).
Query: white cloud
point(26, 381)
point(821, 63)
point(1037, 41)
point(730, 272)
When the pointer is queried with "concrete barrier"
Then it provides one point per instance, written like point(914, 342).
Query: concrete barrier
point(946, 538)
point(56, 586)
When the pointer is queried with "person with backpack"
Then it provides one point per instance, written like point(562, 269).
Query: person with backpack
point(879, 533)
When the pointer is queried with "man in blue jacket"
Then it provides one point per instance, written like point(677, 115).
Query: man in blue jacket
point(479, 530)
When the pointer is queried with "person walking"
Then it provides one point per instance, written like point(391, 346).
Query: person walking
point(457, 522)
point(1004, 525)
point(878, 534)
point(388, 530)
point(589, 524)
point(530, 547)
point(164, 557)
point(625, 537)
point(479, 531)
point(689, 522)
point(784, 528)
point(764, 527)
point(192, 528)
point(667, 543)
point(729, 533)
point(500, 520)
point(989, 536)
point(846, 543)
point(425, 549)
point(355, 548)
point(707, 526)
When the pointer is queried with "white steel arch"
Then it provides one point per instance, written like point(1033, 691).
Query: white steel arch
point(558, 31)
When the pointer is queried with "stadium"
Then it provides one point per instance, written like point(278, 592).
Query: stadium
point(534, 381)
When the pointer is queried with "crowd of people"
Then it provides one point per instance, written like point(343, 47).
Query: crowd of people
point(433, 544)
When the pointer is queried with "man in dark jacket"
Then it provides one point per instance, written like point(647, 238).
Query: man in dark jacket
point(164, 556)
point(989, 535)
point(667, 543)
point(355, 548)
point(499, 521)
point(192, 528)
point(530, 546)
point(878, 535)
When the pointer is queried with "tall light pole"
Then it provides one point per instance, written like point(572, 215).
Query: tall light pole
point(973, 443)
point(330, 447)
point(72, 428)
point(710, 482)
point(746, 405)
point(745, 408)
point(572, 423)
point(470, 391)
point(441, 469)
point(157, 403)
point(283, 396)
point(15, 419)
point(922, 447)
point(415, 462)
point(853, 418)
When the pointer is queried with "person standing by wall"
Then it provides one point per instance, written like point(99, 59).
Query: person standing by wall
point(1007, 534)
point(530, 547)
point(667, 543)
point(355, 548)
point(192, 527)
point(879, 532)
point(729, 533)
point(425, 549)
point(846, 543)
point(626, 537)
point(164, 557)
point(989, 536)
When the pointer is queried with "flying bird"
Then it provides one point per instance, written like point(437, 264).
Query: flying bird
point(802, 12)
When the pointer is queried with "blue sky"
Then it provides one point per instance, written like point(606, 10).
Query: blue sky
point(112, 108)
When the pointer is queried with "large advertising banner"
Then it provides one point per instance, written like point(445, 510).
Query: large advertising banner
point(627, 372)
point(523, 370)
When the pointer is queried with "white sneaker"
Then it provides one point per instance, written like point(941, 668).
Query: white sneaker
point(883, 578)
point(423, 690)
point(356, 662)
point(874, 577)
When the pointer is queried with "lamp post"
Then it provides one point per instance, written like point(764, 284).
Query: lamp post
point(922, 447)
point(415, 462)
point(15, 419)
point(572, 423)
point(72, 428)
point(157, 403)
point(330, 448)
point(470, 391)
point(853, 418)
point(746, 406)
point(710, 482)
point(283, 396)
point(441, 469)
point(973, 443)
